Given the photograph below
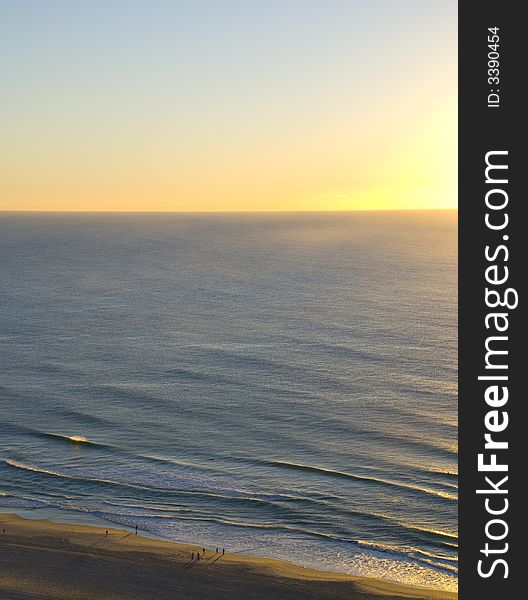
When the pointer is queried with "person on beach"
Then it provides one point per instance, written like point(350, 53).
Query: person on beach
point(106, 533)
point(203, 550)
point(223, 551)
point(192, 555)
point(198, 556)
point(136, 529)
point(216, 551)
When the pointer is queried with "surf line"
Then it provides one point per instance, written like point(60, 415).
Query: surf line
point(499, 300)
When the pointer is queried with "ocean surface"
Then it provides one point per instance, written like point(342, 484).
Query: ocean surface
point(280, 385)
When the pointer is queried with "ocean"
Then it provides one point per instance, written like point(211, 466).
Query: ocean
point(281, 385)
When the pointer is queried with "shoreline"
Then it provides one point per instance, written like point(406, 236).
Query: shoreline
point(66, 561)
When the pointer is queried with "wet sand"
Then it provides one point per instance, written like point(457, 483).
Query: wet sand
point(44, 560)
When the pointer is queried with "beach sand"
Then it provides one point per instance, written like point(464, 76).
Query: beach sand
point(45, 560)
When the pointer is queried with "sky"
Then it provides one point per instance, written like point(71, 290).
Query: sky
point(228, 105)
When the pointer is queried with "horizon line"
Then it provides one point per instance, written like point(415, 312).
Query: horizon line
point(349, 210)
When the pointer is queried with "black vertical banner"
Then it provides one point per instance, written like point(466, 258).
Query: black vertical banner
point(492, 247)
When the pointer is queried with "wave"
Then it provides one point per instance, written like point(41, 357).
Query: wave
point(411, 550)
point(440, 565)
point(297, 530)
point(77, 439)
point(26, 467)
point(180, 510)
point(225, 495)
point(245, 497)
point(185, 515)
point(145, 487)
point(44, 471)
point(435, 536)
point(80, 440)
point(21, 502)
point(449, 477)
point(364, 478)
point(168, 517)
point(96, 445)
point(407, 552)
point(71, 439)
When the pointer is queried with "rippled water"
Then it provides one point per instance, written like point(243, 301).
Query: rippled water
point(282, 385)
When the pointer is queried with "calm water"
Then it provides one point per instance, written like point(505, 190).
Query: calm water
point(279, 385)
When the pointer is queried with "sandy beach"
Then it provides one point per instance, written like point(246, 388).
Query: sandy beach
point(45, 560)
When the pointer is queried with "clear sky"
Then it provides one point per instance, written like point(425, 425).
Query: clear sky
point(228, 104)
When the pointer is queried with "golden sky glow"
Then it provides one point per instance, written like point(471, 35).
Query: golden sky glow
point(284, 106)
